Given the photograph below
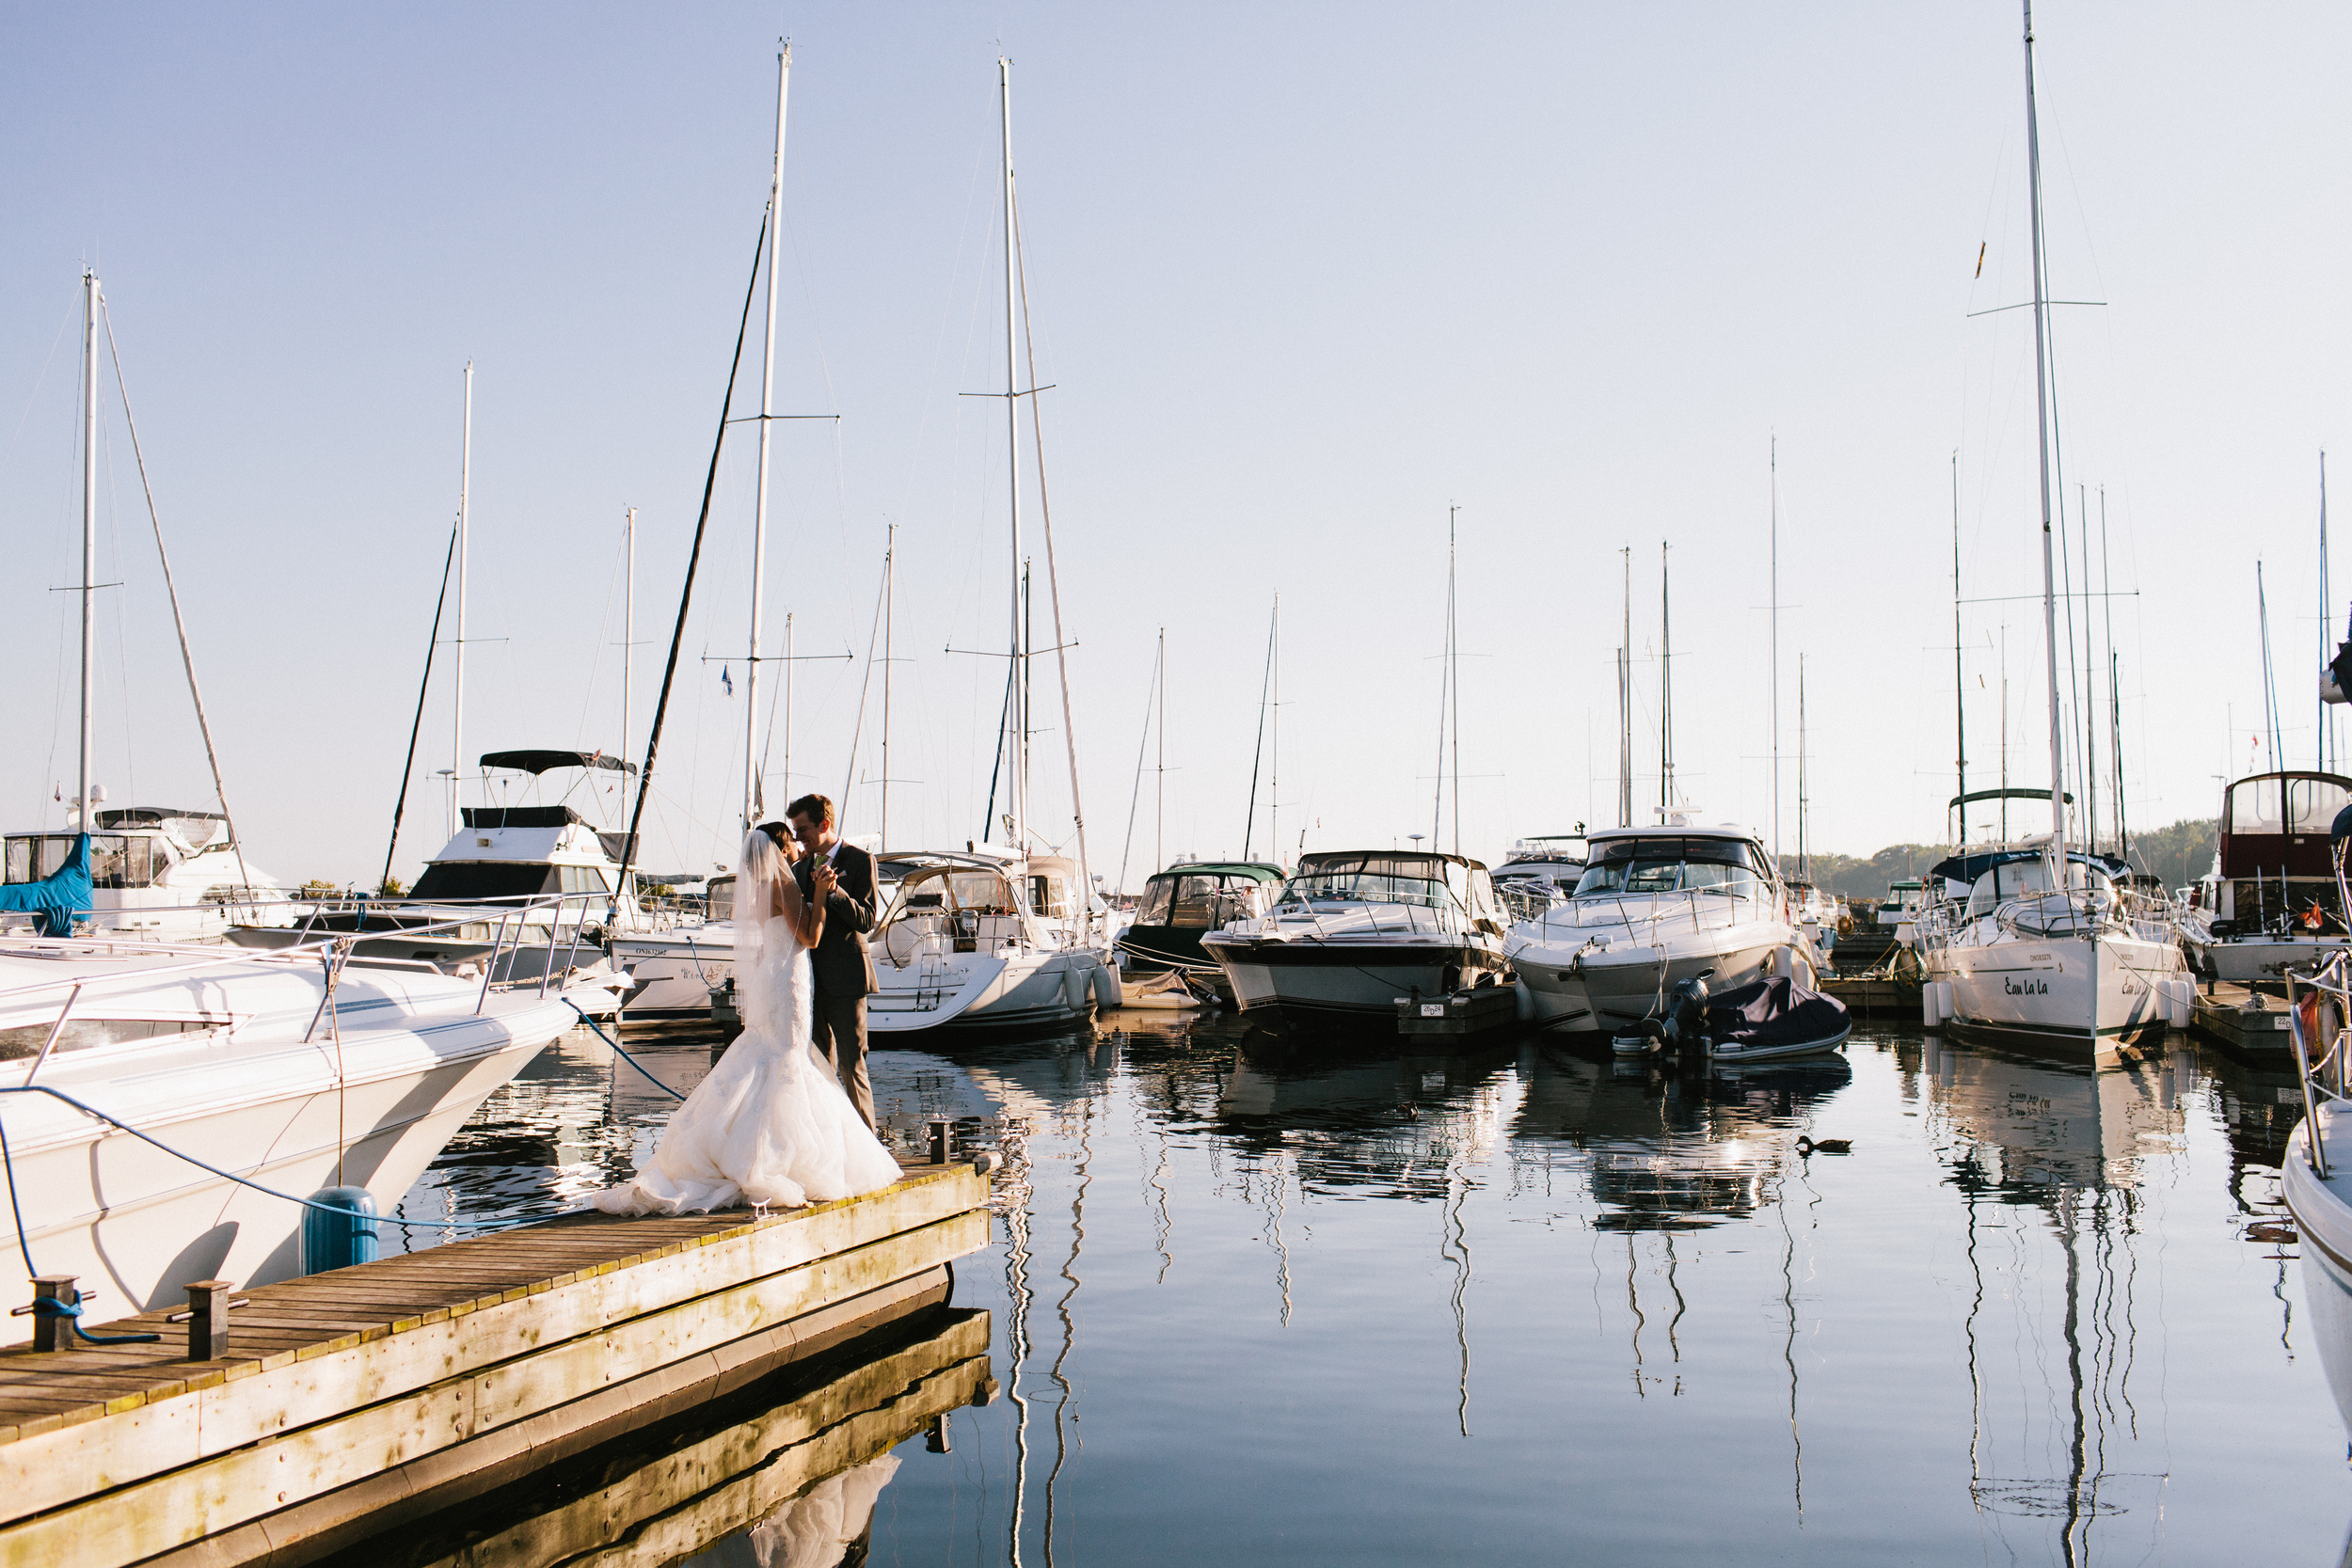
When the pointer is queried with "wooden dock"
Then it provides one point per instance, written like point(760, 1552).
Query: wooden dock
point(2239, 1015)
point(351, 1400)
point(1875, 998)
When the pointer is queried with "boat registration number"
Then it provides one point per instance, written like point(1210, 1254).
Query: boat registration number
point(1432, 1010)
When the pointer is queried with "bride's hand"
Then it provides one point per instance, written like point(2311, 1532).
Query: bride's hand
point(824, 880)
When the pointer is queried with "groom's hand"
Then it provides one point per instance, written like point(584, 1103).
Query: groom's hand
point(824, 880)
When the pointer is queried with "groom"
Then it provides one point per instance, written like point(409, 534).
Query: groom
point(842, 969)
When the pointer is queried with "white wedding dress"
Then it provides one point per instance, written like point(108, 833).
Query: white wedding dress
point(770, 1124)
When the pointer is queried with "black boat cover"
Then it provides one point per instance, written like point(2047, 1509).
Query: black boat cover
point(1968, 868)
point(541, 761)
point(1773, 1012)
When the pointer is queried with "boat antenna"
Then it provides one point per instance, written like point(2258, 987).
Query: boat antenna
point(90, 543)
point(2327, 748)
point(1159, 810)
point(417, 725)
point(2090, 678)
point(1264, 706)
point(1804, 859)
point(686, 594)
point(1143, 742)
point(753, 806)
point(890, 613)
point(2270, 687)
point(628, 637)
point(2115, 693)
point(1445, 688)
point(2041, 452)
point(171, 590)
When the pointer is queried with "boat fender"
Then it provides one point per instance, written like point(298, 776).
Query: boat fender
point(1106, 987)
point(1525, 1001)
point(1931, 1004)
point(1075, 989)
point(338, 1229)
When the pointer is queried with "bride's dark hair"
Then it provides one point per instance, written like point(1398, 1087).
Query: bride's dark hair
point(781, 833)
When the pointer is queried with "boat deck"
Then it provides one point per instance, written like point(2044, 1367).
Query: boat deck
point(396, 1381)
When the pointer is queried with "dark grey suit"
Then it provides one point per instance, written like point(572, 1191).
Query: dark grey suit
point(843, 970)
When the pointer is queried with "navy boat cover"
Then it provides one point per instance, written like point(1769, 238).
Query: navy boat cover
point(57, 897)
point(1773, 1012)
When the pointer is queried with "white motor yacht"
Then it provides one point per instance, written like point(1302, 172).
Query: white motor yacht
point(980, 940)
point(1656, 906)
point(1541, 871)
point(2088, 962)
point(284, 1068)
point(517, 887)
point(157, 872)
point(1355, 931)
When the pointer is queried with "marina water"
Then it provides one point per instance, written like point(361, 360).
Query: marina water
point(1332, 1302)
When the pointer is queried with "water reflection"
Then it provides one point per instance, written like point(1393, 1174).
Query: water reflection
point(784, 1473)
point(1262, 1277)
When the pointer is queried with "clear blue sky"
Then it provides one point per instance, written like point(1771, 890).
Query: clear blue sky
point(1303, 278)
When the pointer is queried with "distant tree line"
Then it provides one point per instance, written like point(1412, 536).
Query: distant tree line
point(2178, 854)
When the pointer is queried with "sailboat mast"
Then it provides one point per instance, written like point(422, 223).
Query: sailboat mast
point(628, 638)
point(890, 611)
point(1017, 794)
point(1960, 685)
point(2327, 614)
point(1159, 808)
point(1454, 661)
point(1274, 753)
point(82, 813)
point(1665, 683)
point(2041, 452)
point(1775, 667)
point(752, 801)
point(2090, 681)
point(1805, 858)
point(1624, 700)
point(457, 669)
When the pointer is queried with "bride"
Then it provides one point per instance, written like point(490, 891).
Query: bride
point(770, 1124)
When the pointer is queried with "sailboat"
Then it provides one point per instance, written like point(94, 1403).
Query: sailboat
point(997, 935)
point(158, 873)
point(2048, 946)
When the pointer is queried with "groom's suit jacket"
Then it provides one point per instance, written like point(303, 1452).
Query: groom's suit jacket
point(840, 962)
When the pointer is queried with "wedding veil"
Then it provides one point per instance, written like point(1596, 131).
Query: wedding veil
point(763, 945)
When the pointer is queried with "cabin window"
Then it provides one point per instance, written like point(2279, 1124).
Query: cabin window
point(459, 879)
point(83, 1034)
point(2285, 805)
point(19, 860)
point(121, 861)
point(1158, 894)
point(1372, 879)
point(719, 894)
point(581, 879)
point(1049, 896)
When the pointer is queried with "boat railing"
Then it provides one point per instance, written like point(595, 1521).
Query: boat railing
point(336, 952)
point(2319, 1018)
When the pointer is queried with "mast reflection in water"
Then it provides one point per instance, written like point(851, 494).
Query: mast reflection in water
point(1351, 1302)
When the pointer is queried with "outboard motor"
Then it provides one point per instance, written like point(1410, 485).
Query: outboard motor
point(1685, 1014)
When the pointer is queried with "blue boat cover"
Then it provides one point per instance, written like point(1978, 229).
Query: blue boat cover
point(58, 897)
point(1773, 1012)
point(1968, 868)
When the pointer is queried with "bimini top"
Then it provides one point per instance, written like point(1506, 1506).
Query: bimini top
point(544, 761)
point(1256, 871)
point(1382, 863)
point(1695, 830)
point(1968, 868)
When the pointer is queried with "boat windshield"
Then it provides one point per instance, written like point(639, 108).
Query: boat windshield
point(1646, 866)
point(456, 879)
point(1371, 880)
point(938, 890)
point(2000, 883)
point(115, 859)
point(1204, 902)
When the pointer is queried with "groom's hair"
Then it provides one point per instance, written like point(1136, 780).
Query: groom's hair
point(817, 808)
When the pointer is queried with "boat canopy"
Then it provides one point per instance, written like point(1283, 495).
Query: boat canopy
point(1204, 896)
point(546, 762)
point(523, 816)
point(1672, 861)
point(1968, 868)
point(2275, 824)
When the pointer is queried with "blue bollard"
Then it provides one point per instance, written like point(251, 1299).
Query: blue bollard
point(340, 1239)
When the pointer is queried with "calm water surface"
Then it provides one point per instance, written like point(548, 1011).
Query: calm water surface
point(1348, 1303)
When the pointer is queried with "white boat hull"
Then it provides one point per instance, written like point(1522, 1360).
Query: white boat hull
point(1364, 977)
point(2260, 959)
point(2322, 1218)
point(1025, 988)
point(137, 1224)
point(675, 972)
point(2087, 991)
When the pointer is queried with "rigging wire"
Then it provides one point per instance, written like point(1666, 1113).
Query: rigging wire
point(407, 768)
point(686, 594)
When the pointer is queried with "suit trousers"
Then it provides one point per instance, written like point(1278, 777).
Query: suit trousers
point(837, 1029)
